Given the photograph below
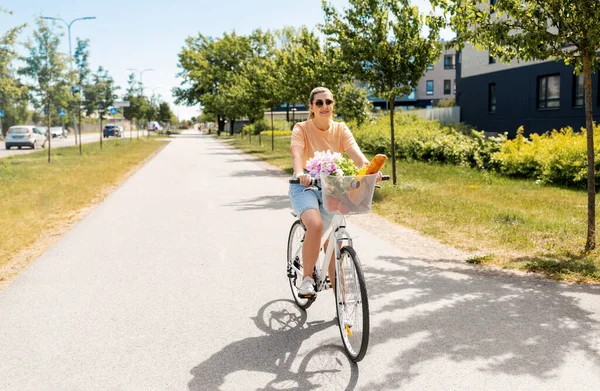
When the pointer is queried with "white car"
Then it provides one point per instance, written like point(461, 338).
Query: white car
point(58, 131)
point(155, 126)
point(24, 136)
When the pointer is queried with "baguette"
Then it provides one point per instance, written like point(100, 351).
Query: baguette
point(376, 164)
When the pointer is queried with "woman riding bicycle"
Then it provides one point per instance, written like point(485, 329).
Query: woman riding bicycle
point(318, 134)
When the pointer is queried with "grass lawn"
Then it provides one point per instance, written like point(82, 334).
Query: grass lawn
point(37, 198)
point(517, 224)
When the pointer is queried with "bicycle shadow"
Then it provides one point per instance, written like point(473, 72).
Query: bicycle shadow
point(275, 202)
point(500, 325)
point(274, 353)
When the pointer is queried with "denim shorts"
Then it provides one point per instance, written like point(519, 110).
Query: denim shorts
point(311, 199)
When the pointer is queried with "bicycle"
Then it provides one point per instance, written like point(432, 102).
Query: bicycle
point(352, 304)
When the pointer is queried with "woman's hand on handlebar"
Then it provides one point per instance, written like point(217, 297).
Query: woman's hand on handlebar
point(379, 177)
point(304, 179)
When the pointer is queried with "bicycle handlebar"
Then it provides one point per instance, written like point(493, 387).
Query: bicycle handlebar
point(317, 181)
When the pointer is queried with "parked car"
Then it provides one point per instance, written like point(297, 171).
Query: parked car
point(154, 126)
point(24, 136)
point(58, 131)
point(43, 129)
point(113, 130)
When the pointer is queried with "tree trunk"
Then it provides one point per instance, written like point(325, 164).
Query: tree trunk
point(80, 148)
point(287, 112)
point(101, 135)
point(393, 141)
point(272, 132)
point(232, 121)
point(220, 125)
point(587, 88)
point(49, 135)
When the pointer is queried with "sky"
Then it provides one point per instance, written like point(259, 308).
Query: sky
point(149, 34)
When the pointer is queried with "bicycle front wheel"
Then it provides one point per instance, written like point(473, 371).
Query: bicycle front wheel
point(352, 304)
point(294, 263)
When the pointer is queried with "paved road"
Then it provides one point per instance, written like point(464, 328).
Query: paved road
point(177, 282)
point(62, 142)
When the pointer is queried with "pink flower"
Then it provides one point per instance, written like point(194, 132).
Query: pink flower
point(324, 164)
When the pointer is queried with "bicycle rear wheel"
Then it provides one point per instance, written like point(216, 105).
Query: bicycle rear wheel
point(294, 262)
point(352, 305)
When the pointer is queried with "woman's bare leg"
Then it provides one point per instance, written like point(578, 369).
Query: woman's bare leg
point(311, 218)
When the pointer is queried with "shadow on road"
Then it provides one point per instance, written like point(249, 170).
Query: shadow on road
point(262, 203)
point(503, 325)
point(258, 173)
point(273, 354)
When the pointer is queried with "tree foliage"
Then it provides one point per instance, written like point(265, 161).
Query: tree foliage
point(13, 94)
point(352, 103)
point(45, 67)
point(566, 30)
point(380, 42)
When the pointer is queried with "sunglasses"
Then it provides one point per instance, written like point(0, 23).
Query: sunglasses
point(319, 103)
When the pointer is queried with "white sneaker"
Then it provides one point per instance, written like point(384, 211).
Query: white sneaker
point(307, 288)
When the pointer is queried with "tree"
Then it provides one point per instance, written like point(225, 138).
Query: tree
point(13, 95)
point(352, 103)
point(99, 94)
point(381, 42)
point(255, 76)
point(305, 63)
point(165, 114)
point(138, 103)
point(82, 73)
point(566, 30)
point(208, 69)
point(46, 67)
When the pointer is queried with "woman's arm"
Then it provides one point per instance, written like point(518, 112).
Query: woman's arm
point(297, 157)
point(356, 154)
point(360, 160)
point(298, 164)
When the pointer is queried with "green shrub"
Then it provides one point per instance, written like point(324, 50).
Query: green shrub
point(262, 125)
point(276, 133)
point(429, 141)
point(448, 102)
point(558, 157)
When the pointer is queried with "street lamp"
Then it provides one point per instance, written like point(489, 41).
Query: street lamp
point(140, 72)
point(69, 24)
point(153, 89)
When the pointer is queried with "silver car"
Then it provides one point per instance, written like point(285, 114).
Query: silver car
point(24, 136)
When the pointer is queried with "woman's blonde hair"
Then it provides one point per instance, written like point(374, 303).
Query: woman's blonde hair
point(315, 91)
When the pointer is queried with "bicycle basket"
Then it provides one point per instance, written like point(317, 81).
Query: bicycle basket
point(348, 194)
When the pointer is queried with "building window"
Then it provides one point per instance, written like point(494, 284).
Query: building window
point(578, 91)
point(429, 87)
point(430, 67)
point(492, 97)
point(449, 62)
point(491, 60)
point(447, 87)
point(548, 92)
point(454, 86)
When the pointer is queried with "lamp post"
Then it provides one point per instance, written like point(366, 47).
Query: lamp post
point(69, 24)
point(141, 72)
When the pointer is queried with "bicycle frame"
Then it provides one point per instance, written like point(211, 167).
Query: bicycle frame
point(336, 233)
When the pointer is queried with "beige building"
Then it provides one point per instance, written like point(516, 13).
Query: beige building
point(439, 81)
